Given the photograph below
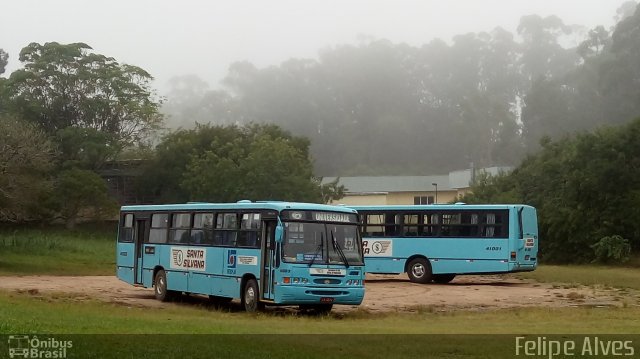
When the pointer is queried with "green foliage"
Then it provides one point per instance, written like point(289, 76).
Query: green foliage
point(82, 192)
point(223, 164)
point(4, 58)
point(64, 86)
point(612, 249)
point(332, 191)
point(584, 187)
point(26, 157)
point(87, 148)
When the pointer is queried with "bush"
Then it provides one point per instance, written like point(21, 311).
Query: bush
point(612, 249)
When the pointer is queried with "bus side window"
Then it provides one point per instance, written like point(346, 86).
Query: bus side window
point(411, 222)
point(126, 229)
point(495, 225)
point(159, 224)
point(226, 229)
point(430, 228)
point(202, 232)
point(373, 225)
point(392, 223)
point(180, 225)
point(489, 228)
point(249, 235)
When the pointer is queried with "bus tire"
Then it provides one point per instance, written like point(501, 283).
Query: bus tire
point(443, 278)
point(251, 297)
point(419, 271)
point(160, 291)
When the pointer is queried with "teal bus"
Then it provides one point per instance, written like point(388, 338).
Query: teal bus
point(438, 242)
point(263, 253)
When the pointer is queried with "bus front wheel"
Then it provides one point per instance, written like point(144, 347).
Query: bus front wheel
point(250, 297)
point(161, 292)
point(419, 271)
point(443, 278)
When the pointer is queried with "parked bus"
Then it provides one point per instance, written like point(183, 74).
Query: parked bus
point(438, 242)
point(274, 253)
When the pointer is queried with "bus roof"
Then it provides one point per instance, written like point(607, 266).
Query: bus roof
point(246, 205)
point(435, 207)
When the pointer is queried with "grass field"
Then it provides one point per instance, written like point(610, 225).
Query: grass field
point(89, 250)
point(394, 334)
point(58, 313)
point(615, 277)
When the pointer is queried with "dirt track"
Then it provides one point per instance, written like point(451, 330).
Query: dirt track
point(384, 293)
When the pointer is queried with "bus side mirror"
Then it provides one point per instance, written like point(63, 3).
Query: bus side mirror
point(279, 232)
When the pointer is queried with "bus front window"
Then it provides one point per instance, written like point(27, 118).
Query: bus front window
point(346, 240)
point(310, 242)
point(303, 242)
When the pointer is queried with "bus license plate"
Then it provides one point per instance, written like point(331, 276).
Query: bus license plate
point(326, 300)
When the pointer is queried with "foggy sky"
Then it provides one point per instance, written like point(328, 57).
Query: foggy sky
point(169, 38)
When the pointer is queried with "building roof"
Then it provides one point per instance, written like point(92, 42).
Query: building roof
point(372, 184)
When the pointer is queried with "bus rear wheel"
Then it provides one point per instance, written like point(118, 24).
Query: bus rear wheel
point(161, 293)
point(419, 271)
point(251, 297)
point(443, 278)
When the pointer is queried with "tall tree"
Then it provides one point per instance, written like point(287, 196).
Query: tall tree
point(542, 53)
point(26, 159)
point(228, 163)
point(4, 58)
point(64, 86)
point(620, 72)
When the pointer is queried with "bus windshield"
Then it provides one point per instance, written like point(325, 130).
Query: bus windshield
point(321, 243)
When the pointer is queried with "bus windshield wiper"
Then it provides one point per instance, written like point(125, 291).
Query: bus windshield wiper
point(318, 250)
point(339, 250)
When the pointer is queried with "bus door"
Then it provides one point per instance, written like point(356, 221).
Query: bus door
point(141, 232)
point(269, 260)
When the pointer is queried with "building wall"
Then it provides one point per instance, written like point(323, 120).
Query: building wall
point(362, 200)
point(397, 198)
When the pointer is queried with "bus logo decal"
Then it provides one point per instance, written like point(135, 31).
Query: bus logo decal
point(189, 258)
point(381, 248)
point(231, 258)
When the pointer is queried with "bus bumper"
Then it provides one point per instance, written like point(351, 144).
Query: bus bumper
point(522, 267)
point(318, 295)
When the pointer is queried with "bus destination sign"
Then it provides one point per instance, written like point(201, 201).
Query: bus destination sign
point(321, 216)
point(332, 217)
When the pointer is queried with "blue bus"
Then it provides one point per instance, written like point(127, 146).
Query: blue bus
point(264, 253)
point(437, 242)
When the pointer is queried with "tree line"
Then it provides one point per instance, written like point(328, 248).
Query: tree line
point(385, 108)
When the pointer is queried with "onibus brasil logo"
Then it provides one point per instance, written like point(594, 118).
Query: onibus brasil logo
point(25, 346)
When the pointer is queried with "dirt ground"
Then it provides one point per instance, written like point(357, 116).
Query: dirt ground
point(384, 293)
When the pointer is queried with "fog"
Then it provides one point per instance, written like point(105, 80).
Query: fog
point(169, 38)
